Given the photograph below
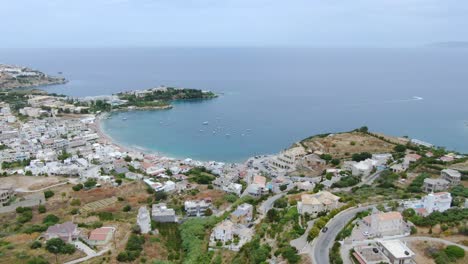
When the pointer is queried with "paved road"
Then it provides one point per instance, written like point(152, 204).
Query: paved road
point(268, 204)
point(322, 244)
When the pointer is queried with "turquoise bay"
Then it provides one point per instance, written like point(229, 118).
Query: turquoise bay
point(270, 97)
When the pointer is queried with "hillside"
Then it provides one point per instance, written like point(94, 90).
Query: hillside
point(13, 77)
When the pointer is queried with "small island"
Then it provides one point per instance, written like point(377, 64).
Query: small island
point(15, 77)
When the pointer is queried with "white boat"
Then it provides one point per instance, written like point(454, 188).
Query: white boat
point(228, 135)
point(124, 118)
point(205, 123)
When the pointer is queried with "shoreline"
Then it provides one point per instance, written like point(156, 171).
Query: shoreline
point(107, 139)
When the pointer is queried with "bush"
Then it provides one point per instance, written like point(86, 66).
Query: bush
point(41, 209)
point(281, 203)
point(454, 252)
point(37, 260)
point(57, 246)
point(75, 202)
point(105, 216)
point(162, 195)
point(230, 197)
point(25, 216)
point(127, 208)
point(400, 148)
point(90, 183)
point(74, 211)
point(35, 244)
point(361, 156)
point(51, 220)
point(77, 187)
point(48, 194)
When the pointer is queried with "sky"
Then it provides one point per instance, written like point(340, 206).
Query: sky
point(322, 23)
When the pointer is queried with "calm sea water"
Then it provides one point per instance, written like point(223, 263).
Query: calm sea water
point(270, 98)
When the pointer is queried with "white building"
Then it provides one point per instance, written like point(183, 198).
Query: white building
point(396, 251)
point(160, 213)
point(144, 220)
point(436, 202)
point(196, 207)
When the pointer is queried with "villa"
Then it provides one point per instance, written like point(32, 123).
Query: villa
point(452, 176)
point(318, 202)
point(197, 207)
point(160, 213)
point(243, 214)
point(385, 224)
point(67, 231)
point(435, 185)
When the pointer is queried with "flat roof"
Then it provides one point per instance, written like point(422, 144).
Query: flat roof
point(397, 248)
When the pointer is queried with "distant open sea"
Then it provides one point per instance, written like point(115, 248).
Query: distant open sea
point(270, 97)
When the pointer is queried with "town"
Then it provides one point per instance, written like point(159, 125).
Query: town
point(69, 194)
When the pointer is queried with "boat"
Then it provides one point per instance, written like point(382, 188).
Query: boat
point(228, 135)
point(60, 72)
point(417, 98)
point(124, 118)
point(205, 123)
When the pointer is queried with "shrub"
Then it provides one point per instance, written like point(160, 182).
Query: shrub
point(48, 194)
point(454, 252)
point(41, 209)
point(57, 246)
point(400, 148)
point(51, 219)
point(361, 156)
point(75, 202)
point(35, 244)
point(77, 187)
point(127, 208)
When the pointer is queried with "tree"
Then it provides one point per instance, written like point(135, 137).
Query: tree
point(407, 213)
point(208, 212)
point(48, 194)
point(57, 246)
point(51, 219)
point(35, 244)
point(127, 208)
point(160, 196)
point(454, 252)
point(41, 209)
point(361, 156)
point(400, 148)
point(335, 162)
point(77, 187)
point(90, 183)
point(281, 203)
point(313, 233)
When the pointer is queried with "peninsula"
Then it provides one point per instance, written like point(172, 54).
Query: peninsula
point(14, 77)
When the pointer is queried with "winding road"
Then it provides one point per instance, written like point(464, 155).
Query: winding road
point(322, 244)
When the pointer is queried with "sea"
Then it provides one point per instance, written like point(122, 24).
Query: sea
point(269, 98)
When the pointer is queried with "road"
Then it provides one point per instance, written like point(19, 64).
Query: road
point(322, 244)
point(268, 204)
point(40, 190)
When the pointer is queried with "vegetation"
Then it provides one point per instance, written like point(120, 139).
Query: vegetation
point(90, 183)
point(416, 185)
point(361, 156)
point(15, 164)
point(346, 181)
point(387, 179)
point(201, 175)
point(132, 249)
point(253, 252)
point(48, 194)
point(50, 220)
point(78, 187)
point(57, 246)
point(452, 216)
point(193, 233)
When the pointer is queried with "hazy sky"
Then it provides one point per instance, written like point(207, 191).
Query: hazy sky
point(88, 23)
